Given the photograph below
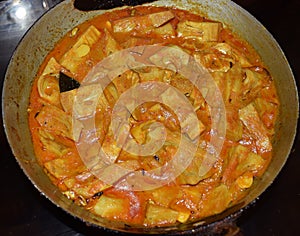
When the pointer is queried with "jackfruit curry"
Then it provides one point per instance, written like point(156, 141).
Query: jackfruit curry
point(248, 94)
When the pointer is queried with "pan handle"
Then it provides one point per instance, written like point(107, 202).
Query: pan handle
point(91, 5)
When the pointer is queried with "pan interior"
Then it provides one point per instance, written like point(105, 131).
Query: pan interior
point(51, 27)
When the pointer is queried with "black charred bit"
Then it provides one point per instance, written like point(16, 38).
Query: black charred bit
point(67, 83)
point(97, 195)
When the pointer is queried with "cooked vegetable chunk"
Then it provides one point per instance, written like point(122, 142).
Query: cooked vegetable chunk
point(245, 180)
point(267, 111)
point(142, 22)
point(55, 120)
point(203, 31)
point(51, 143)
point(66, 166)
point(76, 55)
point(142, 25)
point(250, 118)
point(255, 80)
point(110, 207)
point(160, 18)
point(85, 184)
point(111, 45)
point(216, 201)
point(158, 215)
point(48, 84)
point(240, 161)
point(67, 100)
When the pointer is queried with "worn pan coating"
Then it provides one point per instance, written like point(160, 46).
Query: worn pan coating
point(40, 39)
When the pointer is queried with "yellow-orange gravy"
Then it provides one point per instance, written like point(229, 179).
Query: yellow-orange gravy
point(248, 93)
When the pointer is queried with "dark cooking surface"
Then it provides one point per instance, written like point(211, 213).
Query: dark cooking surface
point(23, 211)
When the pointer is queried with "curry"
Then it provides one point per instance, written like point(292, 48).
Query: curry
point(248, 94)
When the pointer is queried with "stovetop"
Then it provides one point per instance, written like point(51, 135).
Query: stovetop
point(24, 211)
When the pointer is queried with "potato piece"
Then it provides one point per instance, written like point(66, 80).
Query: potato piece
point(192, 126)
point(165, 195)
point(250, 118)
point(216, 201)
point(158, 215)
point(110, 207)
point(203, 31)
point(215, 62)
point(183, 217)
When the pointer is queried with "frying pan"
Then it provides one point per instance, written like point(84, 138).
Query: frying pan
point(41, 38)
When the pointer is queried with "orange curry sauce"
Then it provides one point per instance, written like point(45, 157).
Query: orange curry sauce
point(249, 97)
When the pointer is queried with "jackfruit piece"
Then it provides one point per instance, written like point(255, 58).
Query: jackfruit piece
point(111, 45)
point(233, 53)
point(250, 118)
point(160, 18)
point(240, 161)
point(203, 31)
point(254, 81)
point(140, 131)
point(51, 144)
point(267, 112)
point(66, 166)
point(234, 126)
point(85, 184)
point(67, 100)
point(165, 30)
point(55, 119)
point(113, 142)
point(142, 23)
point(76, 55)
point(47, 83)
